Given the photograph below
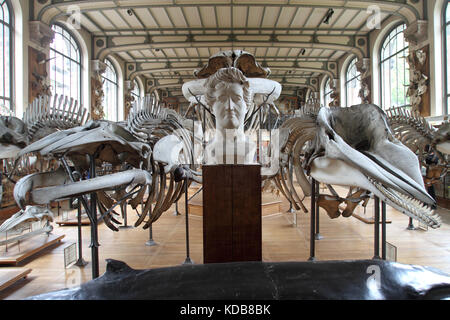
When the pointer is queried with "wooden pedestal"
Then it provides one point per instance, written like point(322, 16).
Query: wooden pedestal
point(269, 206)
point(9, 277)
point(232, 213)
point(28, 247)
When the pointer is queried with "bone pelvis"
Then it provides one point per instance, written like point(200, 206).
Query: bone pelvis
point(355, 147)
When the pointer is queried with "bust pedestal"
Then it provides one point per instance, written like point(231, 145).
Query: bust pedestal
point(232, 213)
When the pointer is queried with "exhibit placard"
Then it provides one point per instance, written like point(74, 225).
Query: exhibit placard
point(391, 252)
point(65, 215)
point(70, 255)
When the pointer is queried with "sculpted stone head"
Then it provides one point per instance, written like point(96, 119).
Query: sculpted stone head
point(228, 94)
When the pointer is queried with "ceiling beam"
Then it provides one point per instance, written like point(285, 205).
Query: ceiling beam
point(181, 41)
point(86, 6)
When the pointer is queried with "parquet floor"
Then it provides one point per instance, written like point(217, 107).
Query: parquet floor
point(343, 238)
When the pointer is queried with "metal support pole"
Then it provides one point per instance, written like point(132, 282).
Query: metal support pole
point(72, 178)
point(80, 262)
point(188, 259)
point(410, 225)
point(176, 213)
point(376, 249)
point(94, 225)
point(204, 135)
point(318, 236)
point(383, 230)
point(193, 142)
point(291, 208)
point(125, 218)
point(259, 138)
point(150, 241)
point(313, 222)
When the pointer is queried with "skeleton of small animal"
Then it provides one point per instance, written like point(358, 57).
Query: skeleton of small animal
point(22, 221)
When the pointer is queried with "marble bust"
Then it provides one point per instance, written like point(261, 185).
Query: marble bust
point(228, 94)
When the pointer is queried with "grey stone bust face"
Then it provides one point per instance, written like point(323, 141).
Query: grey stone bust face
point(229, 106)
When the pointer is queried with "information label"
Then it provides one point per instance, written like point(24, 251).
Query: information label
point(391, 252)
point(70, 255)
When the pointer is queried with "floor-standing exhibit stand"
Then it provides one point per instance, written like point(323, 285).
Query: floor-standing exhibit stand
point(80, 262)
point(314, 225)
point(125, 218)
point(232, 213)
point(188, 259)
point(312, 229)
point(11, 276)
point(94, 223)
point(377, 239)
point(91, 210)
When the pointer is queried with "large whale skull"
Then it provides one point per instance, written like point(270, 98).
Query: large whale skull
point(355, 147)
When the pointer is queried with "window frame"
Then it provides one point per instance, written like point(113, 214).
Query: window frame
point(325, 93)
point(446, 24)
point(347, 80)
point(80, 62)
point(116, 84)
point(388, 58)
point(10, 26)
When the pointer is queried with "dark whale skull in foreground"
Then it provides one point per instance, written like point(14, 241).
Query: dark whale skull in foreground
point(355, 147)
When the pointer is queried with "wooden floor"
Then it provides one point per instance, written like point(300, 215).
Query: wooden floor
point(343, 238)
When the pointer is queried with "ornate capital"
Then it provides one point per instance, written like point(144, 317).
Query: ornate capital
point(335, 95)
point(41, 33)
point(335, 84)
point(363, 66)
point(98, 67)
point(416, 32)
point(129, 86)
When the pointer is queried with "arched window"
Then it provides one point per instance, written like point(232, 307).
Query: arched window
point(6, 43)
point(327, 92)
point(65, 64)
point(136, 93)
point(111, 92)
point(352, 84)
point(447, 55)
point(394, 69)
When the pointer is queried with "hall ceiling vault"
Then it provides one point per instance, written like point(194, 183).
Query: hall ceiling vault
point(164, 41)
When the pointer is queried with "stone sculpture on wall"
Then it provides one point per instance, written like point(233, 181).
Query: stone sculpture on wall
point(334, 95)
point(419, 81)
point(128, 98)
point(97, 92)
point(363, 67)
point(37, 74)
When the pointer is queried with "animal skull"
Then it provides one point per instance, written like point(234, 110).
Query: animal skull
point(355, 147)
